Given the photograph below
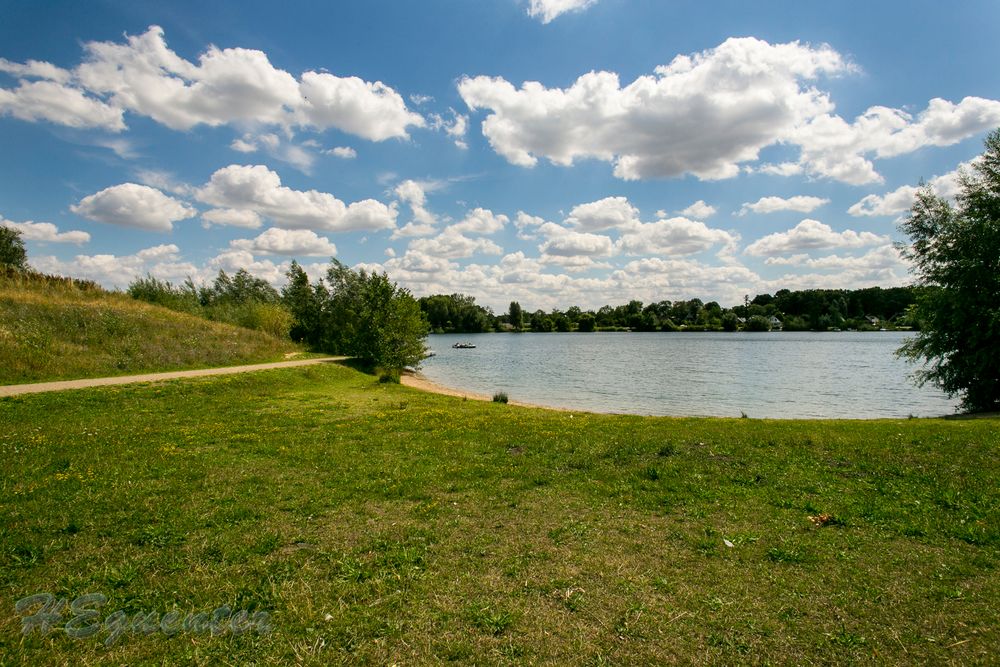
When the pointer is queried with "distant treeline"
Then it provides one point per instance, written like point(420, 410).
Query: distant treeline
point(871, 308)
point(313, 314)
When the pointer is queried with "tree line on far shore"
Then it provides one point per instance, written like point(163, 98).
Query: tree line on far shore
point(867, 309)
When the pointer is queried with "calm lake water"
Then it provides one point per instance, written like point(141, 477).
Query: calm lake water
point(779, 375)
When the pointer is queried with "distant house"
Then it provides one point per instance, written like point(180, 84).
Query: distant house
point(775, 323)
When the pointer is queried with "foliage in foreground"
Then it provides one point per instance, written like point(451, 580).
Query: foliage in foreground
point(958, 250)
point(377, 524)
point(54, 328)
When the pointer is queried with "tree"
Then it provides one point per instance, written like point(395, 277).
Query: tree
point(515, 316)
point(957, 250)
point(12, 251)
point(372, 319)
point(586, 323)
point(305, 305)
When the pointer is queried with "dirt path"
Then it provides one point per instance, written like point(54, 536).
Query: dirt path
point(17, 389)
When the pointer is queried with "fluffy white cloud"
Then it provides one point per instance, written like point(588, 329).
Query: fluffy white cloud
point(258, 189)
point(34, 69)
point(134, 205)
point(697, 211)
point(883, 257)
point(452, 244)
point(60, 104)
point(343, 152)
point(673, 236)
point(229, 217)
point(799, 203)
point(901, 199)
point(702, 114)
point(811, 235)
point(412, 194)
point(833, 148)
point(607, 213)
point(370, 110)
point(226, 86)
point(708, 113)
point(293, 243)
point(162, 261)
point(244, 145)
point(562, 242)
point(45, 232)
point(547, 10)
point(481, 221)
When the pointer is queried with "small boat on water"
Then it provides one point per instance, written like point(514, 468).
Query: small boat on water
point(464, 346)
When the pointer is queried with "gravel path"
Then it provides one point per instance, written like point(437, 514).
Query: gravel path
point(17, 389)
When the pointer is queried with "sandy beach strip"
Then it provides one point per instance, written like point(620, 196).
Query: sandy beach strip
point(418, 381)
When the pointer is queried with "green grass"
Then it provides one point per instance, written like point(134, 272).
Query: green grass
point(378, 524)
point(54, 331)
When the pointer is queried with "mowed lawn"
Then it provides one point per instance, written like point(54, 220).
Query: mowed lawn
point(378, 524)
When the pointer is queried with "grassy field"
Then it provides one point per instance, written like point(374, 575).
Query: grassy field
point(378, 524)
point(54, 331)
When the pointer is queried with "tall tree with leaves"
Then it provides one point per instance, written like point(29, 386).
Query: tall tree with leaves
point(956, 249)
point(12, 251)
point(371, 318)
point(515, 316)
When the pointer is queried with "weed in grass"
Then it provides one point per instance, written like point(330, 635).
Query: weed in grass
point(490, 619)
point(500, 397)
point(668, 449)
point(846, 639)
point(790, 555)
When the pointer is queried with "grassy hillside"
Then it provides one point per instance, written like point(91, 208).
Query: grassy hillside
point(377, 524)
point(53, 330)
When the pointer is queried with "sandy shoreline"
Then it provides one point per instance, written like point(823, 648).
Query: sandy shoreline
point(416, 380)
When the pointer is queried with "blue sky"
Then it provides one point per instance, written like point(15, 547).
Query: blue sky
point(556, 152)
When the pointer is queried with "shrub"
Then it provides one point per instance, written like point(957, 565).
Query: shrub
point(388, 376)
point(271, 318)
point(500, 397)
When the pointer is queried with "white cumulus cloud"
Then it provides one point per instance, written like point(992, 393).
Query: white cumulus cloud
point(702, 114)
point(607, 213)
point(901, 199)
point(258, 189)
point(697, 211)
point(481, 221)
point(290, 242)
point(228, 86)
point(229, 217)
point(452, 244)
point(45, 232)
point(119, 270)
point(343, 152)
point(134, 205)
point(811, 235)
point(60, 104)
point(799, 204)
point(711, 113)
point(673, 236)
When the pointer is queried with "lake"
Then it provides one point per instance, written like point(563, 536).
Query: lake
point(850, 375)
